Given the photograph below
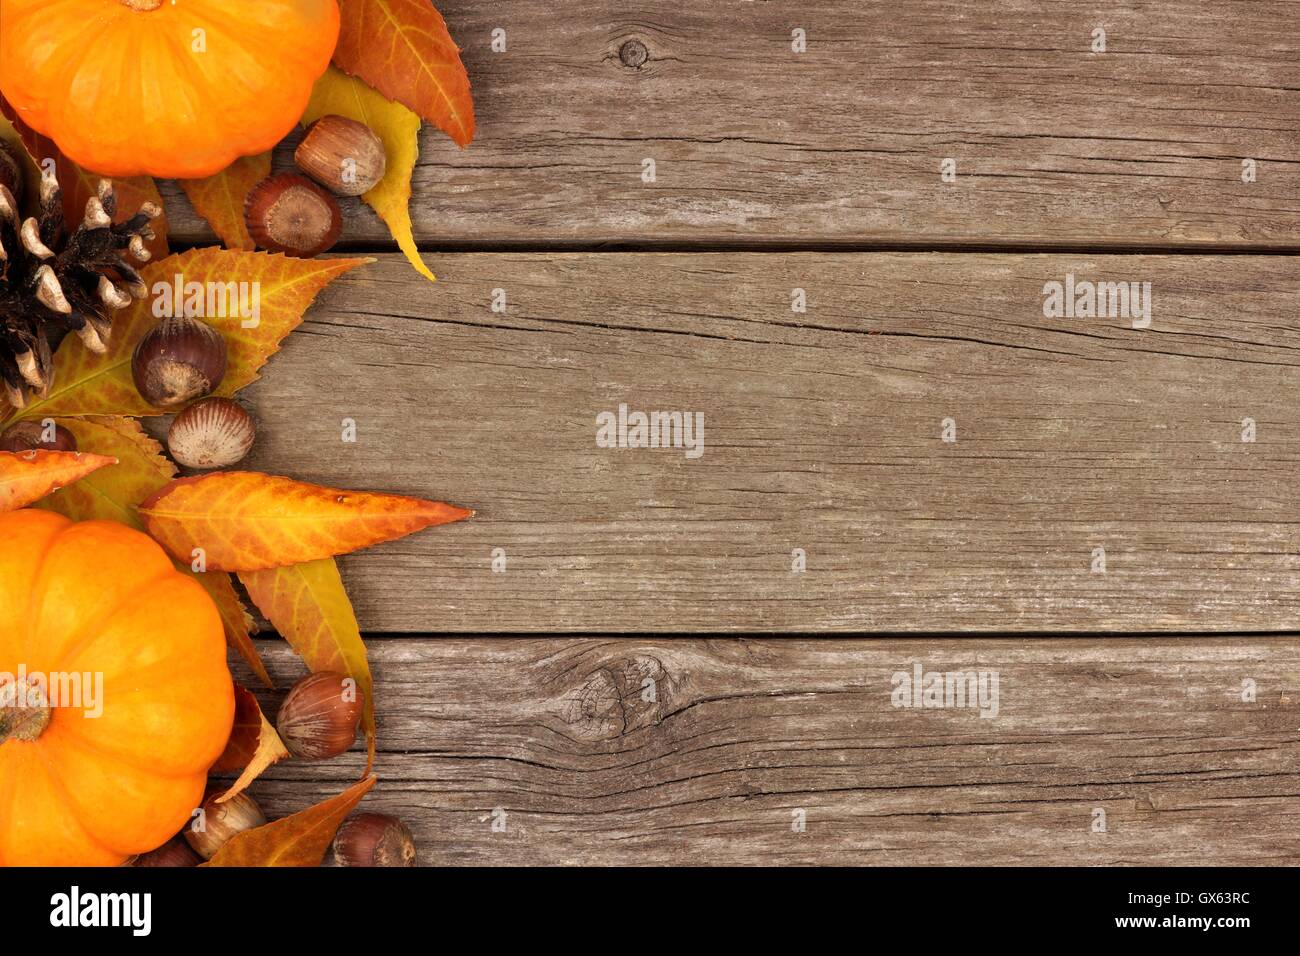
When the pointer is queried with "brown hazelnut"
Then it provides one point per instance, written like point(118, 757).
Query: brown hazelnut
point(319, 718)
point(179, 360)
point(213, 433)
point(37, 436)
point(218, 823)
point(342, 155)
point(374, 839)
point(175, 852)
point(289, 213)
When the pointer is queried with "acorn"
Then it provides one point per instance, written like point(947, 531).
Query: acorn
point(37, 436)
point(219, 823)
point(289, 213)
point(179, 360)
point(11, 171)
point(342, 155)
point(213, 433)
point(175, 852)
point(374, 839)
point(319, 718)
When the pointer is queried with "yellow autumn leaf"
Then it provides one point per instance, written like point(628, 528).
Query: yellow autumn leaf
point(309, 606)
point(90, 384)
point(338, 94)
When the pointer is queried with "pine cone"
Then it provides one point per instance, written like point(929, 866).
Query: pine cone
point(54, 281)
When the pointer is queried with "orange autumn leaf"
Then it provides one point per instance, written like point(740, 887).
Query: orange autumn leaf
point(308, 605)
point(80, 184)
point(297, 840)
point(220, 198)
point(27, 476)
point(402, 49)
point(254, 745)
point(114, 493)
point(90, 384)
point(244, 521)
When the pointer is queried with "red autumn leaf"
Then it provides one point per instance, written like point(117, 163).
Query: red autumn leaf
point(220, 198)
point(402, 49)
point(27, 476)
point(244, 521)
point(80, 184)
point(254, 745)
point(243, 734)
point(297, 840)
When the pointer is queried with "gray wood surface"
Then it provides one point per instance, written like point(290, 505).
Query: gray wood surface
point(823, 432)
point(744, 732)
point(756, 144)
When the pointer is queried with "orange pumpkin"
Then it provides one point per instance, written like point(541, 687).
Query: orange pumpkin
point(79, 788)
point(172, 88)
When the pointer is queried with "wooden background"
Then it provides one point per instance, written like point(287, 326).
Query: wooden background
point(1162, 691)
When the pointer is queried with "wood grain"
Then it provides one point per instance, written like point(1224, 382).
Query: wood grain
point(823, 433)
point(755, 144)
point(743, 732)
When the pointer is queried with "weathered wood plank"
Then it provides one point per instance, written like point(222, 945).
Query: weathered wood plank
point(823, 432)
point(754, 143)
point(741, 733)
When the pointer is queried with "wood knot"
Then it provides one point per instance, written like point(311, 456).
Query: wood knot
point(633, 54)
point(620, 696)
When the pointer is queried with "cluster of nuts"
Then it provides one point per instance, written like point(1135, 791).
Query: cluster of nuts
point(318, 720)
point(182, 359)
point(291, 213)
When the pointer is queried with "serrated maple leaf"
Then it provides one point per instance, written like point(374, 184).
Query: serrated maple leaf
point(245, 521)
point(300, 839)
point(402, 49)
point(90, 384)
point(113, 494)
point(28, 476)
point(220, 198)
point(308, 605)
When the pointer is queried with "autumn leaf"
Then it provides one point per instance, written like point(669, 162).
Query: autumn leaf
point(297, 840)
point(28, 476)
point(220, 198)
point(244, 521)
point(338, 94)
point(114, 493)
point(253, 746)
point(235, 620)
point(90, 384)
point(309, 606)
point(402, 49)
point(79, 184)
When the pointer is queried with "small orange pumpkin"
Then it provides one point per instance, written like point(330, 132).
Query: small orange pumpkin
point(171, 88)
point(77, 787)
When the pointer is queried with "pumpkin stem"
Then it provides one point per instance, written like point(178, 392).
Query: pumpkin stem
point(143, 4)
point(24, 710)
